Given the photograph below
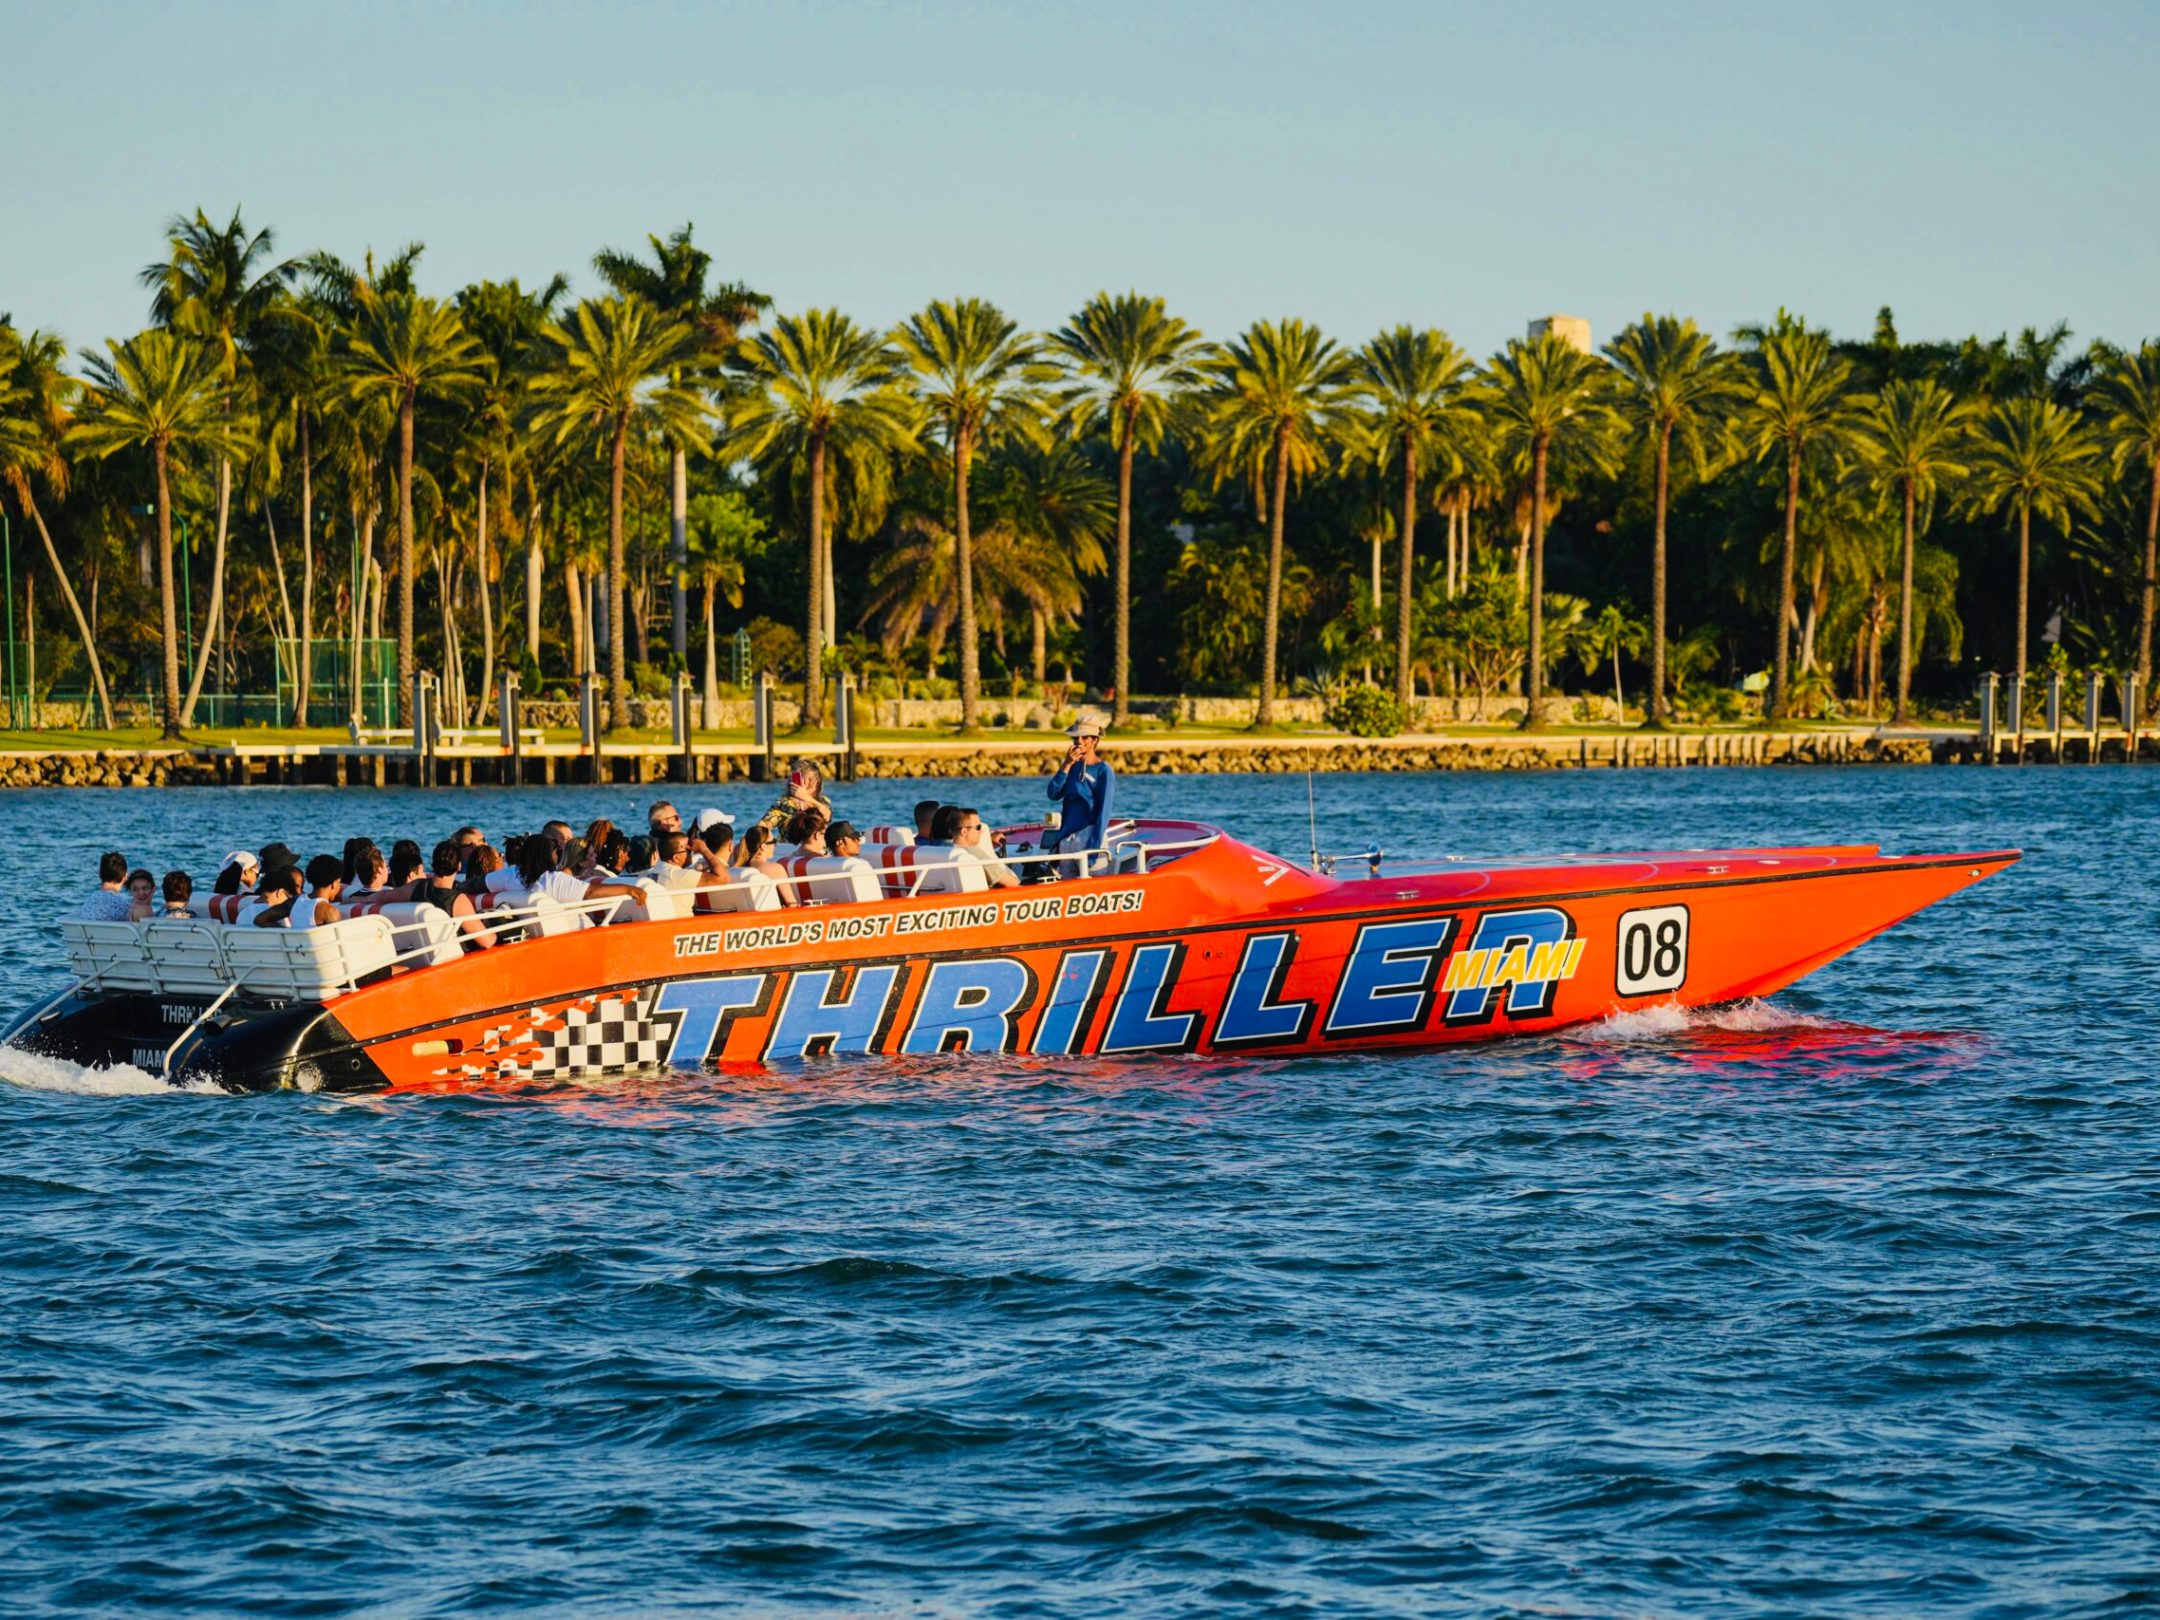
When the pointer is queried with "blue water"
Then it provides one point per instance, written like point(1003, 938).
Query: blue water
point(1844, 1304)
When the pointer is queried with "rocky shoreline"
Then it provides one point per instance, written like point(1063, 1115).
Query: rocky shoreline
point(946, 758)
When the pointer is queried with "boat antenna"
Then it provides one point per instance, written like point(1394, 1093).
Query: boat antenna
point(1312, 821)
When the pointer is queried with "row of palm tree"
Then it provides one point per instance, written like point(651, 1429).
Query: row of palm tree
point(486, 419)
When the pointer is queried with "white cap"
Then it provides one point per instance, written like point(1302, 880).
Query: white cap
point(238, 857)
point(709, 819)
point(1087, 725)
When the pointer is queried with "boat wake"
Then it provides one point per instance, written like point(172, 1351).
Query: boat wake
point(34, 1071)
point(1667, 1020)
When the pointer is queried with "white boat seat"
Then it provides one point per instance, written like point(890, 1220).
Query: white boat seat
point(234, 908)
point(946, 869)
point(188, 955)
point(835, 880)
point(747, 889)
point(423, 930)
point(903, 836)
point(108, 955)
point(309, 964)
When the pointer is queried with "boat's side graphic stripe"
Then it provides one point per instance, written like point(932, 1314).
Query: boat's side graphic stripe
point(706, 1007)
point(967, 1005)
point(833, 1012)
point(1254, 1013)
point(1387, 982)
point(1075, 993)
point(1139, 1022)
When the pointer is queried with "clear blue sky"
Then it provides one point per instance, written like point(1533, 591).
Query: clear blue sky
point(1979, 165)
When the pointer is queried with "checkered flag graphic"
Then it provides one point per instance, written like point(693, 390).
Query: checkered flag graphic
point(604, 1035)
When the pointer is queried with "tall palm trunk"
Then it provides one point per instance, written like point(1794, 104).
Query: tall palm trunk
point(287, 659)
point(964, 566)
point(813, 709)
point(171, 704)
point(1121, 658)
point(535, 583)
point(67, 592)
point(2024, 590)
point(1658, 581)
point(679, 548)
point(1270, 628)
point(405, 563)
point(1039, 651)
point(307, 574)
point(1904, 621)
point(213, 621)
point(710, 692)
point(481, 571)
point(1403, 561)
point(2145, 586)
point(574, 590)
point(1534, 684)
point(617, 656)
point(1781, 665)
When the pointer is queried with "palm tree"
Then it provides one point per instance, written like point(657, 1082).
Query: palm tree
point(36, 410)
point(1413, 384)
point(1274, 398)
point(1057, 508)
point(2032, 456)
point(1609, 635)
point(1675, 383)
point(155, 392)
point(1795, 404)
point(221, 286)
point(674, 284)
point(402, 345)
point(1131, 360)
point(818, 380)
point(2128, 400)
point(982, 380)
point(1908, 437)
point(616, 365)
point(1546, 399)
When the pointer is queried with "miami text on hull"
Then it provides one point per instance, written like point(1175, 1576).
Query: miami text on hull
point(1198, 944)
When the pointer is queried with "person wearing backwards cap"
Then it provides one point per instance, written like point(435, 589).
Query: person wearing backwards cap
point(712, 834)
point(1083, 787)
point(237, 873)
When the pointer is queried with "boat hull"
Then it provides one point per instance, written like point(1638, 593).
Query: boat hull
point(1228, 950)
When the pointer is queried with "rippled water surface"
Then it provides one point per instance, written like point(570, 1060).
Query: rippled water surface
point(1843, 1304)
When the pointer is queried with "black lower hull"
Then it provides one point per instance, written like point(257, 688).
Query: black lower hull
point(243, 1045)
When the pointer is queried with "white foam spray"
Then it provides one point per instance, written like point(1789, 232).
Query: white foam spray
point(1668, 1019)
point(35, 1071)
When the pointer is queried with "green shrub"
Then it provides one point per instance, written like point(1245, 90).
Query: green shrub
point(1366, 711)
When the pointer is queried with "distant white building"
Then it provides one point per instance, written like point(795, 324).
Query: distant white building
point(1572, 330)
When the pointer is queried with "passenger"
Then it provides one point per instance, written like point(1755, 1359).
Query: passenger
point(708, 829)
point(482, 862)
point(672, 868)
point(276, 857)
point(559, 833)
point(805, 791)
point(407, 870)
point(444, 892)
point(595, 856)
point(539, 866)
point(468, 838)
point(109, 901)
point(756, 854)
point(362, 862)
point(318, 908)
point(371, 877)
point(179, 892)
point(971, 837)
point(640, 860)
point(843, 840)
point(719, 850)
point(925, 814)
point(279, 888)
point(142, 896)
point(806, 831)
point(237, 875)
point(1083, 787)
point(662, 817)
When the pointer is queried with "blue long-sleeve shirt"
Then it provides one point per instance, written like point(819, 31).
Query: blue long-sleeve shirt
point(1084, 793)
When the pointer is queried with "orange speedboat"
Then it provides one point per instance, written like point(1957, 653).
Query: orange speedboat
point(1190, 942)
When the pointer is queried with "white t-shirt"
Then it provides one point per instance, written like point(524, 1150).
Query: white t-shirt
point(106, 905)
point(993, 868)
point(674, 877)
